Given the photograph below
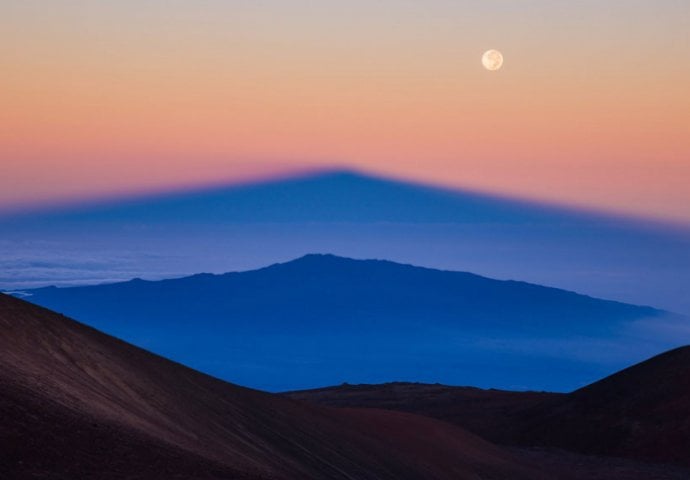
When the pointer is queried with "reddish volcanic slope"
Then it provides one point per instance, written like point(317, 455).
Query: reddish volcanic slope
point(641, 412)
point(493, 414)
point(77, 403)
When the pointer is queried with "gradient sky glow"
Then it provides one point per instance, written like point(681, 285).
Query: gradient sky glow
point(592, 105)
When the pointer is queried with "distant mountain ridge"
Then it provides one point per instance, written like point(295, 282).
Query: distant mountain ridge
point(321, 318)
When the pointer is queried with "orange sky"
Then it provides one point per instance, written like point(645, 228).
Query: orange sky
point(592, 106)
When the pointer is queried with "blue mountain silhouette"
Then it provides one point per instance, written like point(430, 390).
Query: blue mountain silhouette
point(323, 319)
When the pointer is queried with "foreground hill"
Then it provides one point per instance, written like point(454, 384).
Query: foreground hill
point(493, 414)
point(642, 412)
point(323, 319)
point(79, 404)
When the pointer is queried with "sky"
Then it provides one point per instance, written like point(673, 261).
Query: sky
point(591, 107)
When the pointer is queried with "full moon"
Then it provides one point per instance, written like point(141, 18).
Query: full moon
point(492, 60)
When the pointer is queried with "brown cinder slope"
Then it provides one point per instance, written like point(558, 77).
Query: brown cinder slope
point(492, 414)
point(77, 403)
point(641, 412)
